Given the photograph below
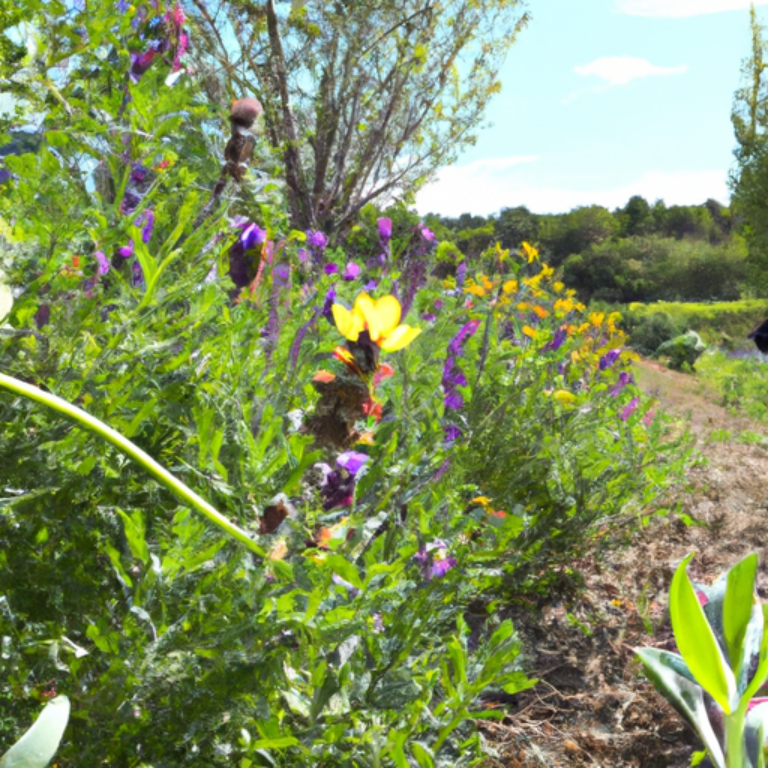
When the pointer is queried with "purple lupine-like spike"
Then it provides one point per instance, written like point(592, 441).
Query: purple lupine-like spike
point(557, 341)
point(608, 359)
point(384, 226)
point(102, 263)
point(630, 408)
point(461, 274)
point(624, 379)
point(148, 219)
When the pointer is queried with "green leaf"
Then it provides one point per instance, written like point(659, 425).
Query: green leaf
point(342, 567)
point(36, 748)
point(6, 301)
point(686, 697)
point(737, 606)
point(697, 643)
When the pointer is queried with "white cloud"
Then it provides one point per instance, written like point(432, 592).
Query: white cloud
point(681, 8)
point(619, 70)
point(471, 189)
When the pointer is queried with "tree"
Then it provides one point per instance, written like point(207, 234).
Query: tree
point(749, 180)
point(362, 100)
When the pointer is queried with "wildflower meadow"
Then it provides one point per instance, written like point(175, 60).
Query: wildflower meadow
point(266, 492)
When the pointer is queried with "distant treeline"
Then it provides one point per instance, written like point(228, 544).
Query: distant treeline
point(641, 252)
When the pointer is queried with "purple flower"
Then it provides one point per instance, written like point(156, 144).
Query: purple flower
point(330, 298)
point(316, 239)
point(461, 273)
point(337, 490)
point(608, 359)
point(103, 263)
point(452, 432)
point(557, 341)
point(434, 561)
point(453, 400)
point(352, 461)
point(351, 272)
point(138, 173)
point(430, 317)
point(427, 234)
point(467, 330)
point(252, 236)
point(138, 274)
point(624, 379)
point(130, 202)
point(126, 251)
point(148, 219)
point(630, 408)
point(331, 269)
point(122, 6)
point(370, 285)
point(299, 338)
point(385, 228)
point(446, 465)
point(140, 63)
point(303, 255)
point(281, 275)
point(438, 304)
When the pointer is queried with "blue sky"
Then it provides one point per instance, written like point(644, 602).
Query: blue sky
point(604, 99)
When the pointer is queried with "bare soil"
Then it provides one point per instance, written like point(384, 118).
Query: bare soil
point(592, 706)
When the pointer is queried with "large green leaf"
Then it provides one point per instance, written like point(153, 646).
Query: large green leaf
point(737, 606)
point(686, 697)
point(36, 748)
point(697, 643)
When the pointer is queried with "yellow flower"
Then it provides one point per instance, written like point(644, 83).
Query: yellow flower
point(475, 290)
point(531, 253)
point(381, 318)
point(528, 331)
point(558, 286)
point(482, 500)
point(510, 286)
point(564, 396)
point(541, 312)
point(596, 318)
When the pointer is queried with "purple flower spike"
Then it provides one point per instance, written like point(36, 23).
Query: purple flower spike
point(126, 251)
point(608, 359)
point(630, 408)
point(461, 273)
point(557, 341)
point(624, 379)
point(352, 271)
point(103, 263)
point(330, 298)
point(352, 461)
point(149, 224)
point(385, 228)
point(140, 63)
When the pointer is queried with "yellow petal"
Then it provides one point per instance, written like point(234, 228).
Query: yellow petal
point(348, 323)
point(365, 309)
point(388, 311)
point(401, 337)
point(564, 396)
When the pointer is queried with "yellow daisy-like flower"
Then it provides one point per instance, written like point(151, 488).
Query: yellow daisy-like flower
point(564, 396)
point(531, 253)
point(381, 318)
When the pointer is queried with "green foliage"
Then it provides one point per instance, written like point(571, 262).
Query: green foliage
point(723, 662)
point(648, 332)
point(349, 643)
point(740, 380)
point(683, 351)
point(720, 323)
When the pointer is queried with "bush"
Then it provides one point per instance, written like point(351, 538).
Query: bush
point(649, 332)
point(682, 351)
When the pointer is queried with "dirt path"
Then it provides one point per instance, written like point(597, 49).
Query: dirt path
point(592, 706)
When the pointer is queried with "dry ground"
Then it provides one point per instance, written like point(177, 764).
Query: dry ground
point(593, 707)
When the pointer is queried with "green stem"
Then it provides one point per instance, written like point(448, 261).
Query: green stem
point(162, 475)
point(734, 739)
